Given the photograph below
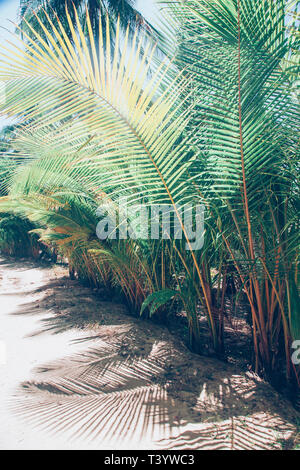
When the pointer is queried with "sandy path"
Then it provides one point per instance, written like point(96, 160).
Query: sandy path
point(24, 352)
point(81, 373)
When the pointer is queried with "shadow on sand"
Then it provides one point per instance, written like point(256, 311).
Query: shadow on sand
point(136, 386)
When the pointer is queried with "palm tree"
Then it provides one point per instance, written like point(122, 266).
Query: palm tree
point(221, 132)
point(8, 158)
point(244, 132)
point(31, 11)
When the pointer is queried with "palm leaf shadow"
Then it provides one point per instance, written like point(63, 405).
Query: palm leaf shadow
point(134, 384)
point(102, 394)
point(238, 433)
point(104, 398)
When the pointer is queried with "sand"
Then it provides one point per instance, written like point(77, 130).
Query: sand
point(81, 373)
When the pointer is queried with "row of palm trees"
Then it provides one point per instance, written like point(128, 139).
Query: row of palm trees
point(102, 116)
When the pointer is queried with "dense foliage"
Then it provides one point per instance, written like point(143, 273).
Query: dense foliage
point(216, 126)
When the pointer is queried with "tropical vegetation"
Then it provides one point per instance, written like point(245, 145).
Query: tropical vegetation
point(214, 123)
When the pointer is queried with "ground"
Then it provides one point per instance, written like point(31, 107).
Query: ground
point(82, 373)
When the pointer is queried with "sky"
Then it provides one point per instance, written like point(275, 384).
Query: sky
point(148, 8)
point(9, 11)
